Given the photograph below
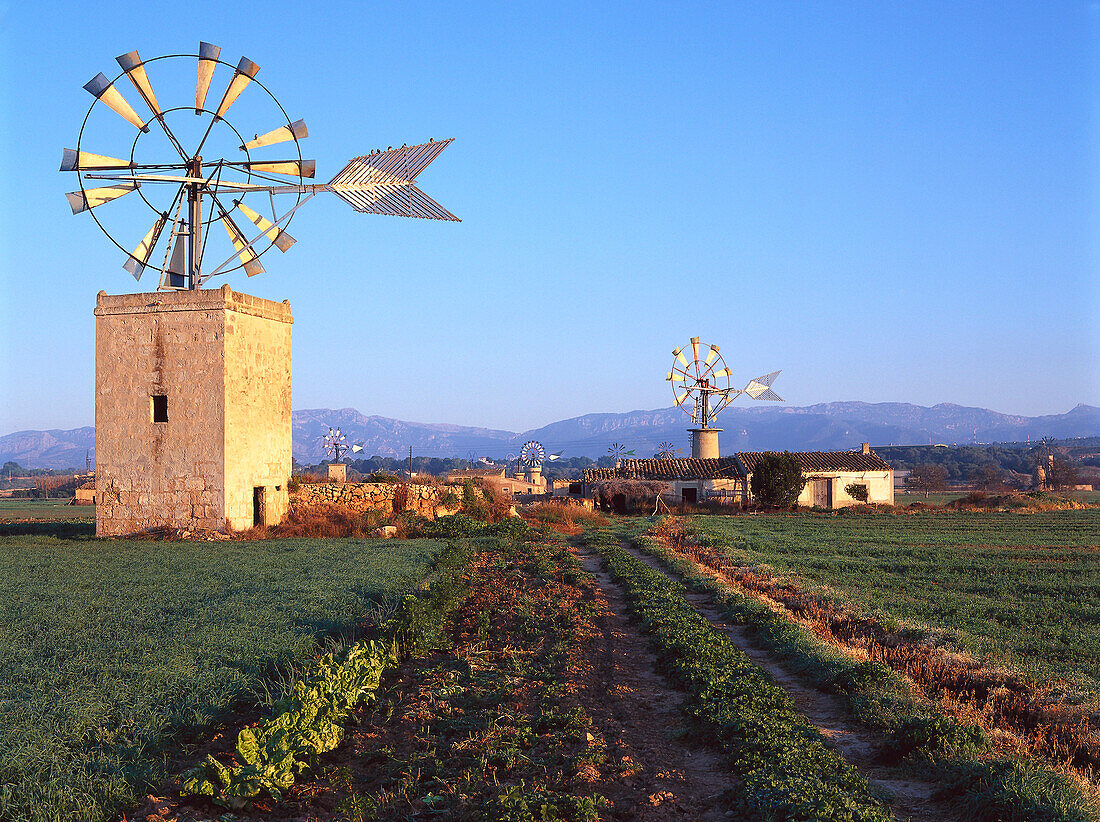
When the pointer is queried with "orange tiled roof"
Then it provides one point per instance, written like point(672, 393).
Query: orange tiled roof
point(810, 461)
point(688, 468)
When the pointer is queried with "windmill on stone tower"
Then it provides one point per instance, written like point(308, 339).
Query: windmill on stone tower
point(193, 386)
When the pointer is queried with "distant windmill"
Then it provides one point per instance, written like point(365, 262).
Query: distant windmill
point(667, 451)
point(706, 382)
point(618, 451)
point(336, 444)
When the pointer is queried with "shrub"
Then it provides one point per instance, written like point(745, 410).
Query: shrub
point(857, 490)
point(400, 498)
point(937, 738)
point(384, 477)
point(324, 519)
point(563, 517)
point(777, 480)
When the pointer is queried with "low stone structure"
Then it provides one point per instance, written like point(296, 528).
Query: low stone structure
point(389, 498)
point(531, 482)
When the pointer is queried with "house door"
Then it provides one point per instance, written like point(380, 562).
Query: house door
point(690, 495)
point(259, 505)
point(822, 492)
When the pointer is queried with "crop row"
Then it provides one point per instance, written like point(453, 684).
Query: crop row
point(986, 786)
point(310, 720)
point(787, 772)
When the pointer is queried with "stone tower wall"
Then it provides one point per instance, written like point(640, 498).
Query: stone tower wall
point(206, 352)
point(257, 409)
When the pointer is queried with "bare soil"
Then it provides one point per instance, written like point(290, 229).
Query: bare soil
point(911, 798)
point(639, 715)
point(648, 766)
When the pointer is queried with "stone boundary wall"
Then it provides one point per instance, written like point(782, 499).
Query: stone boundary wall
point(379, 496)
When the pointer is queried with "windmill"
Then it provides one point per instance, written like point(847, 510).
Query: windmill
point(531, 456)
point(617, 450)
point(336, 444)
point(194, 172)
point(706, 384)
point(666, 451)
point(159, 173)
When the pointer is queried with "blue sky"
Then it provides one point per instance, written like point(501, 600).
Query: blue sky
point(889, 201)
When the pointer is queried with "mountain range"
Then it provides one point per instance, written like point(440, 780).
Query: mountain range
point(822, 427)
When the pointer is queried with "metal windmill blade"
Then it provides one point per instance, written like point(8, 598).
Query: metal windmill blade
point(701, 384)
point(532, 454)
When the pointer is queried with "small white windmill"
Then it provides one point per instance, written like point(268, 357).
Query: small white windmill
point(336, 445)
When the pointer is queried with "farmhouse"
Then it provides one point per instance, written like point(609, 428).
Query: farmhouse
point(530, 483)
point(832, 477)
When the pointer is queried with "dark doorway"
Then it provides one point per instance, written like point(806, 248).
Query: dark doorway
point(690, 495)
point(259, 500)
point(618, 502)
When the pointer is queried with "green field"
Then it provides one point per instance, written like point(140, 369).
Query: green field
point(1018, 590)
point(44, 509)
point(113, 650)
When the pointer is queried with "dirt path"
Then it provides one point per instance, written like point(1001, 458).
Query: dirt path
point(640, 718)
point(911, 797)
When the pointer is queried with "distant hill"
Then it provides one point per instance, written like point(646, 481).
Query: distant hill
point(49, 449)
point(822, 427)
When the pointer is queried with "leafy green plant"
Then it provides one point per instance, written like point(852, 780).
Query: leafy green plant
point(937, 738)
point(307, 723)
point(777, 480)
point(857, 491)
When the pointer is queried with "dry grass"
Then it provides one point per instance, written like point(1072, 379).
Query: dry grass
point(325, 520)
point(564, 517)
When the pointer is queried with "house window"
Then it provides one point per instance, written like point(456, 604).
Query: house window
point(159, 404)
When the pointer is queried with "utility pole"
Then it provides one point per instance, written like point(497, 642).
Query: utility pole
point(410, 460)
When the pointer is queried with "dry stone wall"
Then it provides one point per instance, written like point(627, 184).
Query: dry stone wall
point(388, 498)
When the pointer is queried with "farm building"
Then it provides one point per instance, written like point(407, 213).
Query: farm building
point(530, 483)
point(829, 474)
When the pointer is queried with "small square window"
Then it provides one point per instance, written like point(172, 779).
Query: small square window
point(160, 408)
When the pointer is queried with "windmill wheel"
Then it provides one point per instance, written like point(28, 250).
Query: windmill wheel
point(532, 454)
point(189, 171)
point(692, 375)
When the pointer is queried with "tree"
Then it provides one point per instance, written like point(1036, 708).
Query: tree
point(777, 480)
point(1061, 474)
point(857, 491)
point(988, 477)
point(927, 478)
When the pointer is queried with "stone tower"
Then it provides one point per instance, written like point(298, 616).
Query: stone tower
point(704, 442)
point(192, 410)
